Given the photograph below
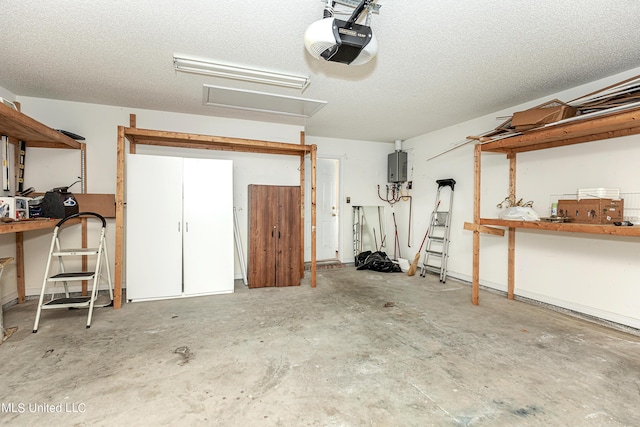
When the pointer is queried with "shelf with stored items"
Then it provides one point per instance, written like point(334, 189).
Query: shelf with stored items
point(20, 127)
point(576, 131)
point(17, 127)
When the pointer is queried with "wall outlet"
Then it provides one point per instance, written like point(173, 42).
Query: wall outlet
point(348, 199)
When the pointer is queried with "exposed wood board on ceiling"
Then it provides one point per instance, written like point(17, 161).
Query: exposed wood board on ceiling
point(177, 139)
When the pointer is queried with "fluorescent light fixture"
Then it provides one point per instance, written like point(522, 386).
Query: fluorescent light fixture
point(228, 71)
point(259, 101)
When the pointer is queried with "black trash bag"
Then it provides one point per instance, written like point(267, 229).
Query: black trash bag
point(361, 258)
point(379, 261)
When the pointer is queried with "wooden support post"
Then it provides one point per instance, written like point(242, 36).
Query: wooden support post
point(20, 266)
point(475, 279)
point(132, 123)
point(302, 199)
point(19, 237)
point(512, 174)
point(511, 269)
point(314, 154)
point(117, 282)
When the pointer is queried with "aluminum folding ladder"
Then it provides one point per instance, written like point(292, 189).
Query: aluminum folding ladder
point(437, 247)
point(358, 223)
point(51, 278)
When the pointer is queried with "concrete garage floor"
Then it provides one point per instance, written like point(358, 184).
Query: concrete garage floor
point(362, 349)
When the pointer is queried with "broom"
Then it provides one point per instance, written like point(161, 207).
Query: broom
point(414, 264)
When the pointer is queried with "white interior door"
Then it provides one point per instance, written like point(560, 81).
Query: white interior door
point(208, 226)
point(153, 227)
point(327, 210)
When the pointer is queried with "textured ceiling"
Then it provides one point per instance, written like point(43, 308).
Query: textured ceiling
point(440, 62)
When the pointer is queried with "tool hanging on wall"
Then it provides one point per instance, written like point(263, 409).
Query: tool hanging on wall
point(5, 164)
point(375, 239)
point(383, 237)
point(396, 244)
point(21, 155)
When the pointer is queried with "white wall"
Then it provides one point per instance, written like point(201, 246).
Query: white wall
point(47, 168)
point(7, 94)
point(363, 166)
point(592, 274)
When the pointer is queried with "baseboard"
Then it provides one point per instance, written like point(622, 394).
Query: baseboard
point(595, 315)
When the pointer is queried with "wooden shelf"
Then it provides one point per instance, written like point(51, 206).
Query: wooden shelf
point(31, 224)
point(565, 227)
point(21, 127)
point(580, 130)
point(600, 127)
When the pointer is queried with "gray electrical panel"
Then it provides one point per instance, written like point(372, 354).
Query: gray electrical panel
point(397, 167)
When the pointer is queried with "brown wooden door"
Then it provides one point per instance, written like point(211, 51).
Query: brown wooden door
point(274, 236)
point(262, 229)
point(288, 246)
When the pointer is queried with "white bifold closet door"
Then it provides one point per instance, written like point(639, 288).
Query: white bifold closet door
point(179, 227)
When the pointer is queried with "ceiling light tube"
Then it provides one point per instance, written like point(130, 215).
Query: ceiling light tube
point(198, 66)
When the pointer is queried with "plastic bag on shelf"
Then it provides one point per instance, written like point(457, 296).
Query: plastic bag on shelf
point(520, 213)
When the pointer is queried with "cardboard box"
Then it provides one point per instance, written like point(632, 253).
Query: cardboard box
point(14, 207)
point(611, 210)
point(568, 209)
point(592, 211)
point(589, 211)
point(536, 117)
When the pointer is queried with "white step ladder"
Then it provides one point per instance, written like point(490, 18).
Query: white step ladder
point(97, 254)
point(437, 248)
